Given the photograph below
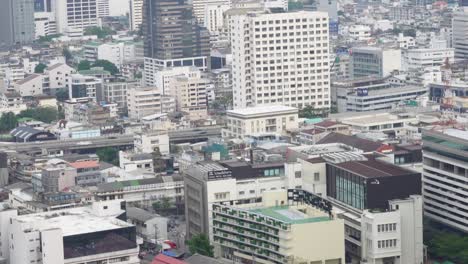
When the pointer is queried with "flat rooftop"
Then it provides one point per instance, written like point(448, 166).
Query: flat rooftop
point(289, 215)
point(262, 110)
point(372, 168)
point(74, 221)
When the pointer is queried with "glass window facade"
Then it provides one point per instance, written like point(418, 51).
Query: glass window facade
point(346, 187)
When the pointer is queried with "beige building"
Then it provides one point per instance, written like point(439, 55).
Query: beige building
point(278, 232)
point(143, 101)
point(261, 120)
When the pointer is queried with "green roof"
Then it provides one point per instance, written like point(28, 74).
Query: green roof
point(93, 72)
point(93, 43)
point(288, 215)
point(25, 119)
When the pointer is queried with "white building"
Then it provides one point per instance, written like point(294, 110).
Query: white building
point(444, 177)
point(375, 61)
point(143, 101)
point(30, 86)
point(136, 14)
point(81, 86)
point(396, 234)
point(12, 75)
point(73, 16)
point(66, 236)
point(460, 33)
point(406, 42)
point(359, 32)
point(56, 76)
point(272, 67)
point(273, 120)
point(118, 53)
point(214, 17)
point(146, 142)
point(199, 8)
point(45, 24)
point(151, 227)
point(427, 59)
point(103, 8)
point(11, 102)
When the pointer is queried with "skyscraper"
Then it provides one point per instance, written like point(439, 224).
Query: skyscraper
point(17, 22)
point(136, 14)
point(280, 58)
point(460, 33)
point(171, 32)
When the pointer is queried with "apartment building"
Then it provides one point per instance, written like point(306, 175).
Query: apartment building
point(460, 32)
point(445, 169)
point(261, 120)
point(274, 60)
point(136, 14)
point(143, 101)
point(278, 231)
point(75, 15)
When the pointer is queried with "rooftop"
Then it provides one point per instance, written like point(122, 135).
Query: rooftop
point(85, 164)
point(289, 214)
point(373, 168)
point(73, 221)
point(359, 143)
point(262, 110)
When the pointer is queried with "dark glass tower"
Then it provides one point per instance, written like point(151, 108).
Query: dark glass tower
point(171, 32)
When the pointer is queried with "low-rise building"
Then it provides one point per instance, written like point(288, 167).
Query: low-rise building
point(276, 120)
point(84, 87)
point(143, 101)
point(151, 227)
point(425, 59)
point(147, 141)
point(375, 61)
point(278, 232)
point(30, 86)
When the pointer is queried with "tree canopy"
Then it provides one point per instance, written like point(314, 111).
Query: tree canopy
point(40, 68)
point(45, 114)
point(200, 244)
point(98, 31)
point(8, 121)
point(445, 244)
point(310, 112)
point(84, 65)
point(109, 154)
point(105, 64)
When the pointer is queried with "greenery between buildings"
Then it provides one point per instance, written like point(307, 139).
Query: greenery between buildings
point(444, 243)
point(200, 244)
point(109, 155)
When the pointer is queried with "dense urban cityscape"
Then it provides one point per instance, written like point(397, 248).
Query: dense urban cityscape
point(233, 131)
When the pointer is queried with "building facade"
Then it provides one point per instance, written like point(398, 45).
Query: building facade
point(273, 61)
point(460, 33)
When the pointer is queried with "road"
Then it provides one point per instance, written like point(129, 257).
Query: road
point(189, 135)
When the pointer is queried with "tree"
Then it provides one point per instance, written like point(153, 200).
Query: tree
point(49, 38)
point(166, 202)
point(200, 244)
point(98, 31)
point(108, 154)
point(310, 112)
point(40, 68)
point(107, 65)
point(84, 65)
point(157, 205)
point(44, 114)
point(62, 95)
point(8, 121)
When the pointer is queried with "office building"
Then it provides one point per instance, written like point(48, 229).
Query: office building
point(460, 33)
point(261, 120)
point(360, 188)
point(270, 66)
point(116, 92)
point(44, 23)
point(143, 101)
point(73, 16)
point(136, 14)
point(279, 231)
point(375, 61)
point(91, 234)
point(170, 32)
point(238, 183)
point(17, 20)
point(445, 167)
point(427, 59)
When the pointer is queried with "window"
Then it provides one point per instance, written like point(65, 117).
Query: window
point(241, 193)
point(298, 174)
point(316, 176)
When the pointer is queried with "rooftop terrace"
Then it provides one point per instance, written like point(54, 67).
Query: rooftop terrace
point(290, 215)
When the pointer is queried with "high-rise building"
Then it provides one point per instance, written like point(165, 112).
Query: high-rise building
point(280, 58)
point(136, 14)
point(75, 15)
point(17, 22)
point(171, 32)
point(103, 8)
point(445, 165)
point(460, 33)
point(199, 8)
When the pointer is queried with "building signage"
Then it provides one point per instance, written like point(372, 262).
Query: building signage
point(220, 174)
point(362, 92)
